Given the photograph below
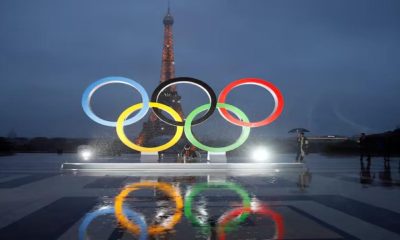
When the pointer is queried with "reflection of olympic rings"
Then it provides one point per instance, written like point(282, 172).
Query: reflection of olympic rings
point(278, 98)
point(125, 114)
point(168, 189)
point(262, 210)
point(110, 210)
point(217, 185)
point(87, 96)
point(193, 81)
point(223, 108)
point(243, 137)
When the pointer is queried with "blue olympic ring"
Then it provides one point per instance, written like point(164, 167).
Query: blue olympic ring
point(110, 210)
point(87, 95)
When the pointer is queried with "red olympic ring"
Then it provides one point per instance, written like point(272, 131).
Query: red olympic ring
point(262, 210)
point(276, 94)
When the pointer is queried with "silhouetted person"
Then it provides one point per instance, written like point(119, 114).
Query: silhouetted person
point(302, 144)
point(364, 149)
point(387, 149)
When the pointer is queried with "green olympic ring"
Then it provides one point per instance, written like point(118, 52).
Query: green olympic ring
point(242, 138)
point(205, 227)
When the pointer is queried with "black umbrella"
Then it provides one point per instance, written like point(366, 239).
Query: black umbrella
point(298, 130)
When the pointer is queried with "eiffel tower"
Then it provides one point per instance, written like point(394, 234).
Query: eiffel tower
point(154, 128)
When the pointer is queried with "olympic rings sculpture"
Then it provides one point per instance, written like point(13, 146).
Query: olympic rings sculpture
point(129, 143)
point(181, 124)
point(110, 210)
point(87, 96)
point(164, 85)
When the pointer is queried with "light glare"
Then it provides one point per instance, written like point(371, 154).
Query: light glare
point(260, 154)
point(86, 154)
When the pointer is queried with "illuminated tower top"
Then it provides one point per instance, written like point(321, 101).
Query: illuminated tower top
point(168, 19)
point(168, 63)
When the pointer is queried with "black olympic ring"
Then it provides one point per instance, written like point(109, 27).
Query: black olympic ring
point(164, 85)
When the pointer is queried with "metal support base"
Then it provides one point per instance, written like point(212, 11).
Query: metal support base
point(216, 157)
point(187, 169)
point(149, 157)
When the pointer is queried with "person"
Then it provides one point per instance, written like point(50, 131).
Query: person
point(188, 152)
point(302, 145)
point(364, 149)
point(387, 149)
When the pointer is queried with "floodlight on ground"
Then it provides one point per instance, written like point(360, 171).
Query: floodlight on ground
point(260, 154)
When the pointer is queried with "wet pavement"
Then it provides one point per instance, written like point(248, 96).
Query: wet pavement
point(329, 198)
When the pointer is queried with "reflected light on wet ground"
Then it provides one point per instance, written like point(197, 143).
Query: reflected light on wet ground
point(330, 198)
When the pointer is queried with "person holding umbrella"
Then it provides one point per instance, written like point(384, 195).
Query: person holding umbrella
point(302, 143)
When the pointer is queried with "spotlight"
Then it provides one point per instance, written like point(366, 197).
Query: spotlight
point(260, 154)
point(85, 152)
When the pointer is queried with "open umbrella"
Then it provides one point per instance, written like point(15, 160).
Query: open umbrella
point(298, 130)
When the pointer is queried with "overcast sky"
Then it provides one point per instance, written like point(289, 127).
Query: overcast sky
point(336, 62)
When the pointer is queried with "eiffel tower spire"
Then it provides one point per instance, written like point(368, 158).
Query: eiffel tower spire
point(154, 127)
point(168, 62)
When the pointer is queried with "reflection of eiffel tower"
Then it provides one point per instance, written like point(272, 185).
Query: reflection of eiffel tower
point(154, 127)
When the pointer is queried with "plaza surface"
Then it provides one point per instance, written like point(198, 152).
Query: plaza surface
point(329, 198)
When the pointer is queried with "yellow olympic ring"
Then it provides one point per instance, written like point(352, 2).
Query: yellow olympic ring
point(125, 114)
point(168, 189)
